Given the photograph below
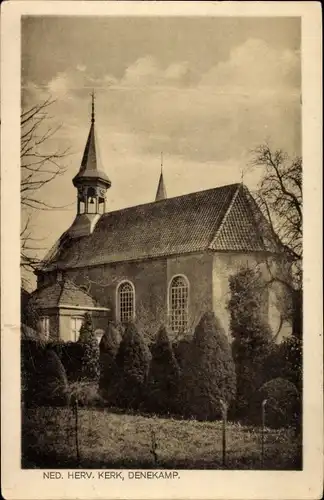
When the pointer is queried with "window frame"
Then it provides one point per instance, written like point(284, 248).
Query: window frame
point(118, 311)
point(73, 331)
point(45, 325)
point(169, 305)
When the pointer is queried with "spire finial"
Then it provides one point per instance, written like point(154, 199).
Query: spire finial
point(92, 106)
point(161, 161)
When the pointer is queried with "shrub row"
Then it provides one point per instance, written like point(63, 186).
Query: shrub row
point(155, 381)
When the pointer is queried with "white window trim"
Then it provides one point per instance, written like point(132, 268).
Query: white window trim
point(73, 331)
point(117, 299)
point(169, 298)
point(45, 322)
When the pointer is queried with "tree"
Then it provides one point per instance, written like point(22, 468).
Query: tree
point(108, 350)
point(209, 376)
point(132, 363)
point(163, 377)
point(280, 199)
point(252, 339)
point(90, 359)
point(39, 166)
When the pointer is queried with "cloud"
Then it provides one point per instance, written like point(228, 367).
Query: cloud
point(59, 85)
point(255, 66)
point(219, 115)
point(146, 71)
point(81, 67)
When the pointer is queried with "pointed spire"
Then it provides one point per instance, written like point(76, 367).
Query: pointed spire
point(90, 164)
point(161, 191)
point(92, 107)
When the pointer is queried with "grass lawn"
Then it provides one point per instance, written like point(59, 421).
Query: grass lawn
point(114, 440)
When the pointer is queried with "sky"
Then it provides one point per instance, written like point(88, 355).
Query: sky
point(205, 91)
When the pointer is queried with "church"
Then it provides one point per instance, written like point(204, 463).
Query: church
point(164, 262)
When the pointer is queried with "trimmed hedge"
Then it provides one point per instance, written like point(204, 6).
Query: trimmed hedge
point(90, 360)
point(209, 375)
point(132, 365)
point(109, 345)
point(71, 355)
point(44, 380)
point(163, 377)
point(282, 404)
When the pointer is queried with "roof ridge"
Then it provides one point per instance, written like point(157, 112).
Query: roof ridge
point(212, 241)
point(248, 198)
point(168, 199)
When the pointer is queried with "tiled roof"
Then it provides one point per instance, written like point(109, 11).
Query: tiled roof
point(61, 293)
point(222, 219)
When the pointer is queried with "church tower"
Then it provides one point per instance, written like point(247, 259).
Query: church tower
point(91, 183)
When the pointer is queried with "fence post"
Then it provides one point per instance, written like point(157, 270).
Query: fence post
point(224, 414)
point(76, 431)
point(262, 431)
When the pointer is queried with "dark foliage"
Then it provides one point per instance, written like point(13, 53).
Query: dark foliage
point(132, 363)
point(44, 380)
point(163, 378)
point(252, 339)
point(71, 355)
point(28, 313)
point(108, 350)
point(181, 349)
point(282, 406)
point(209, 375)
point(286, 361)
point(90, 359)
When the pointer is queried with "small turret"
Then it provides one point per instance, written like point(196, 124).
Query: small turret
point(161, 191)
point(91, 181)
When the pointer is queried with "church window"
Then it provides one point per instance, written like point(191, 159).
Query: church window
point(125, 302)
point(178, 303)
point(45, 325)
point(76, 323)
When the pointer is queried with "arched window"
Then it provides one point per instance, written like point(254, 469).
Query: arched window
point(178, 303)
point(125, 302)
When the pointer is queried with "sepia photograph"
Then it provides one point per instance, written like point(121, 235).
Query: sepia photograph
point(161, 243)
point(161, 260)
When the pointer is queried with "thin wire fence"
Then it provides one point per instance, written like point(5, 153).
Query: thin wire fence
point(98, 438)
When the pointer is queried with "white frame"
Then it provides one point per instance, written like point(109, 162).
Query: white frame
point(118, 318)
point(73, 331)
point(169, 297)
point(45, 325)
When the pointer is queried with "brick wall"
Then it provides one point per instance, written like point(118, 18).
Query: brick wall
point(151, 279)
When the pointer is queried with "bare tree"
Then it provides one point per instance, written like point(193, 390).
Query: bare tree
point(280, 199)
point(40, 165)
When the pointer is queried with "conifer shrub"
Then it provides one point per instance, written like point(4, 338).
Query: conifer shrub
point(90, 369)
point(251, 333)
point(108, 350)
point(44, 380)
point(209, 374)
point(282, 406)
point(71, 355)
point(181, 349)
point(132, 365)
point(163, 377)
